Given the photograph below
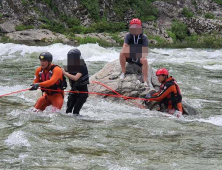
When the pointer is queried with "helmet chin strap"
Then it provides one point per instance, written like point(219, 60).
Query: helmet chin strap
point(164, 79)
point(48, 65)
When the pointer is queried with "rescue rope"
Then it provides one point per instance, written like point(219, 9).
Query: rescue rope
point(124, 97)
point(102, 94)
point(118, 95)
point(14, 92)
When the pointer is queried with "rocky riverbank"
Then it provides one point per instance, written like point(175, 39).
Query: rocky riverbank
point(74, 22)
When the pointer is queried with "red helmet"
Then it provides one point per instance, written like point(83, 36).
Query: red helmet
point(135, 21)
point(162, 71)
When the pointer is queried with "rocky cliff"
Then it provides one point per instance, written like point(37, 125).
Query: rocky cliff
point(200, 16)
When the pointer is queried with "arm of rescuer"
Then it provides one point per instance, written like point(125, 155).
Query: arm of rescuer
point(162, 94)
point(72, 77)
point(56, 75)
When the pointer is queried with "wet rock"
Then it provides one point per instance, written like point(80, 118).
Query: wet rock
point(131, 86)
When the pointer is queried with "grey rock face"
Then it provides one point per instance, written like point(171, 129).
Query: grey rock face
point(36, 35)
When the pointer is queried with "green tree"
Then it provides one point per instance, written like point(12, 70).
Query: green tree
point(179, 29)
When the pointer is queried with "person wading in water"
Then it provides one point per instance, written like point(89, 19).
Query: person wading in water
point(49, 77)
point(77, 73)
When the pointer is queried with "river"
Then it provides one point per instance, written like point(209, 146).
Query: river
point(111, 136)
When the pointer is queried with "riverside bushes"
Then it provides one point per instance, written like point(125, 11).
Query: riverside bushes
point(179, 29)
point(143, 9)
point(218, 1)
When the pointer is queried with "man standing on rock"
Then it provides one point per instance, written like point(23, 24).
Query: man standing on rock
point(135, 49)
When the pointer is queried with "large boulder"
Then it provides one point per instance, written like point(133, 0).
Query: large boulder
point(33, 36)
point(107, 81)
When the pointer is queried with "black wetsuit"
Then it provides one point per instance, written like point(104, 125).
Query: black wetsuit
point(76, 100)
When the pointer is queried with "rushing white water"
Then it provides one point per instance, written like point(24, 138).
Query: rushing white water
point(111, 135)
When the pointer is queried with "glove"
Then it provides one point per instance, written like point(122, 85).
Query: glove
point(148, 95)
point(35, 86)
point(178, 114)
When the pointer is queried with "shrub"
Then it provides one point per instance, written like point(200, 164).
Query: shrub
point(93, 8)
point(172, 35)
point(73, 22)
point(218, 2)
point(179, 29)
point(209, 15)
point(143, 9)
point(187, 13)
point(81, 30)
point(53, 26)
point(117, 38)
point(23, 27)
point(157, 38)
point(104, 26)
point(24, 3)
point(194, 2)
point(93, 40)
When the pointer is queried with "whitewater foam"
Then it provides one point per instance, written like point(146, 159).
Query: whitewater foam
point(17, 138)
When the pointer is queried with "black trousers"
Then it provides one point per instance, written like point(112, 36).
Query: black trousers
point(76, 100)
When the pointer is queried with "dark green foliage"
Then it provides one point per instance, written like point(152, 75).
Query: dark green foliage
point(51, 5)
point(209, 15)
point(193, 41)
point(117, 38)
point(187, 13)
point(172, 35)
point(93, 8)
point(104, 26)
point(23, 27)
point(73, 22)
point(53, 26)
point(143, 9)
point(93, 40)
point(179, 29)
point(194, 2)
point(173, 2)
point(48, 2)
point(218, 1)
point(81, 30)
point(70, 21)
point(24, 3)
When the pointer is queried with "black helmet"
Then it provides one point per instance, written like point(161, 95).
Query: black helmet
point(45, 56)
point(74, 53)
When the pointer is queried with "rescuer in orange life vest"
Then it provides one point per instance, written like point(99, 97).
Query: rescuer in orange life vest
point(49, 76)
point(169, 95)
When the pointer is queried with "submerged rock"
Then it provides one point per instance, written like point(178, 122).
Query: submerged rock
point(107, 81)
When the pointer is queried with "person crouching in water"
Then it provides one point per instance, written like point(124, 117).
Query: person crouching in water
point(169, 95)
point(77, 73)
point(49, 77)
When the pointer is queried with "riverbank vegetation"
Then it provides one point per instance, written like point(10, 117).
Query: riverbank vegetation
point(142, 9)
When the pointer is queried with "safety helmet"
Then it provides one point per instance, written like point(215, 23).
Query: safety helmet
point(162, 71)
point(45, 56)
point(135, 21)
point(74, 52)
